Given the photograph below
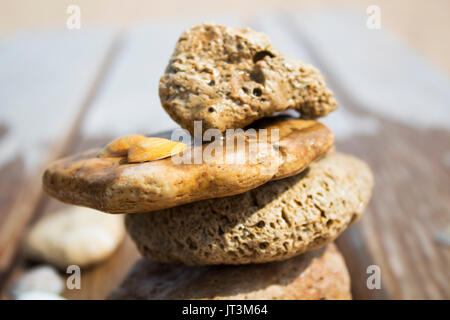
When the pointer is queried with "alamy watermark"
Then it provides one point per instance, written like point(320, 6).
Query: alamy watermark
point(74, 279)
point(374, 279)
point(374, 17)
point(233, 147)
point(74, 20)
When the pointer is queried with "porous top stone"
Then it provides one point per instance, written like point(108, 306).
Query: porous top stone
point(319, 274)
point(115, 186)
point(229, 77)
point(273, 222)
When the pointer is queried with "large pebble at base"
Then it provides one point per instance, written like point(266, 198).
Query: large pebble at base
point(74, 236)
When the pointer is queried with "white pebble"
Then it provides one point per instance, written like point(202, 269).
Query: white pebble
point(39, 295)
point(75, 236)
point(41, 278)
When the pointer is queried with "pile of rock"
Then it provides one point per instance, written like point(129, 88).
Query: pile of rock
point(254, 221)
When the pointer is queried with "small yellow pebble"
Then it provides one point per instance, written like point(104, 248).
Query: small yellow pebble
point(154, 149)
point(119, 147)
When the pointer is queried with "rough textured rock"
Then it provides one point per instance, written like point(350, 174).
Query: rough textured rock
point(74, 236)
point(319, 274)
point(112, 185)
point(42, 278)
point(274, 222)
point(228, 78)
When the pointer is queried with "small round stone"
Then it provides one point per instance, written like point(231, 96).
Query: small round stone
point(74, 236)
point(42, 278)
point(39, 295)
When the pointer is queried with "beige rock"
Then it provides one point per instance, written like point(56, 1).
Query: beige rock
point(319, 274)
point(228, 78)
point(273, 222)
point(74, 236)
point(115, 186)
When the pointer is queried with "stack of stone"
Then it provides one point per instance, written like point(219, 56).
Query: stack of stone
point(258, 228)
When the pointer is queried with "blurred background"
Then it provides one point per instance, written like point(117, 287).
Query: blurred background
point(76, 74)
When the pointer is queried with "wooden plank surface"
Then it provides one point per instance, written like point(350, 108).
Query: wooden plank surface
point(45, 79)
point(126, 102)
point(406, 150)
point(394, 114)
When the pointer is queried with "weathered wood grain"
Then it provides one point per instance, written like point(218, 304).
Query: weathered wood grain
point(129, 101)
point(395, 115)
point(46, 80)
point(126, 102)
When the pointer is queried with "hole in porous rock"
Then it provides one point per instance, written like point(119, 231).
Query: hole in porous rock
point(263, 245)
point(261, 224)
point(354, 218)
point(261, 55)
point(192, 245)
point(257, 92)
point(211, 110)
point(245, 89)
point(212, 82)
point(257, 75)
point(285, 217)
